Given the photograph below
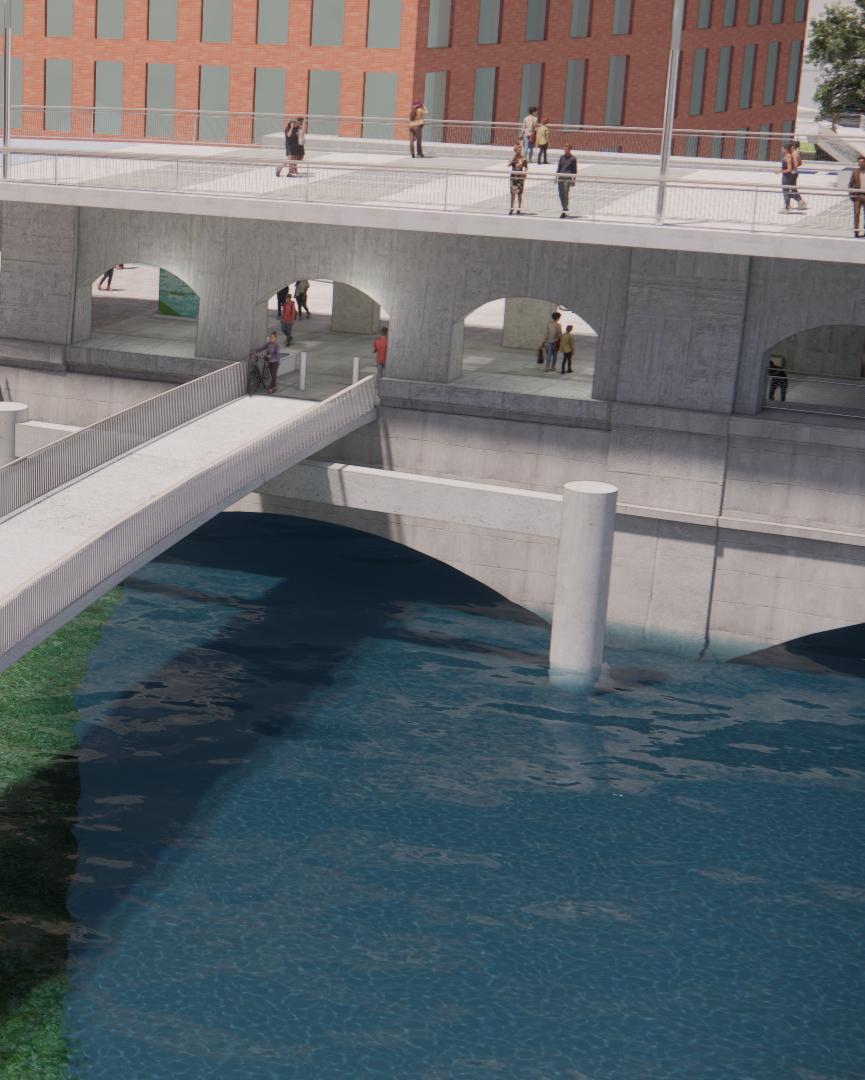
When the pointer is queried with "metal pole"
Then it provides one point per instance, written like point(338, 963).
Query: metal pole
point(355, 369)
point(670, 106)
point(301, 381)
point(7, 82)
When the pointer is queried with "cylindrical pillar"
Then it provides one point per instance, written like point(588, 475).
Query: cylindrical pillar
point(11, 413)
point(301, 381)
point(582, 582)
point(355, 369)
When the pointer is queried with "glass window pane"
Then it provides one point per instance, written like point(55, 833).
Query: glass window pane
point(379, 103)
point(108, 97)
point(162, 20)
point(483, 105)
point(18, 17)
point(489, 22)
point(730, 12)
point(698, 79)
point(754, 13)
point(575, 91)
point(216, 20)
point(272, 22)
point(771, 73)
point(109, 18)
point(439, 26)
point(327, 22)
point(434, 96)
point(382, 28)
point(799, 10)
point(536, 20)
point(704, 14)
point(793, 66)
point(58, 95)
point(581, 11)
point(58, 18)
point(160, 96)
point(746, 87)
point(722, 87)
point(530, 92)
point(323, 100)
point(622, 17)
point(777, 11)
point(269, 102)
point(213, 89)
point(616, 79)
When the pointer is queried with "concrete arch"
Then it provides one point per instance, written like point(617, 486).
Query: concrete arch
point(269, 290)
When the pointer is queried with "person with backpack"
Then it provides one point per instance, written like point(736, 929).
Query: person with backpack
point(287, 315)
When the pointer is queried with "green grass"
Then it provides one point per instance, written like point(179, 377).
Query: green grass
point(38, 803)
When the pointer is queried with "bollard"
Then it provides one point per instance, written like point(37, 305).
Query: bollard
point(301, 381)
point(11, 413)
point(355, 369)
point(582, 582)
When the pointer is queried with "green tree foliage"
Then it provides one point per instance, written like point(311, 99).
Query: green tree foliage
point(838, 48)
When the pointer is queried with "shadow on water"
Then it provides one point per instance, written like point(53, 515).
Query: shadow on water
point(839, 652)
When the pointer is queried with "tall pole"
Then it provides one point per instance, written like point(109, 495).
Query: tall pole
point(670, 106)
point(7, 82)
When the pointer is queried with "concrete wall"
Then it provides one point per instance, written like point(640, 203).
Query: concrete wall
point(73, 399)
point(829, 350)
point(34, 434)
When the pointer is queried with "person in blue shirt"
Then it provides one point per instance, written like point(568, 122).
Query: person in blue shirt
point(271, 352)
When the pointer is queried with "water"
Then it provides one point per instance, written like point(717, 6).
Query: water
point(335, 823)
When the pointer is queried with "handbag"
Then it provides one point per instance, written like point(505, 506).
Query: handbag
point(540, 356)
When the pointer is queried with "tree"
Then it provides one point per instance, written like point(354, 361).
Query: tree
point(837, 48)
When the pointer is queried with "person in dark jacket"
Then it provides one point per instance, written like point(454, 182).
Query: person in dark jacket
point(777, 378)
point(566, 177)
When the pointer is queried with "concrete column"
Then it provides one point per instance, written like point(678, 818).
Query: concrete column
point(353, 311)
point(525, 322)
point(582, 582)
point(11, 413)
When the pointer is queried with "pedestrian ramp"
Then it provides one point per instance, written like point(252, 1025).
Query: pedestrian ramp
point(79, 516)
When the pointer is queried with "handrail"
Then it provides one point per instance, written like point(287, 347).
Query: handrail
point(30, 477)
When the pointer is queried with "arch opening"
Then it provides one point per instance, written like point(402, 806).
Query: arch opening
point(501, 345)
point(819, 370)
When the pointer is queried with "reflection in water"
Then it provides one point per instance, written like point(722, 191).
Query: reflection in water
point(337, 823)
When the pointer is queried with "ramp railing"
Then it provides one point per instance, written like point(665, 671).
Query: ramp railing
point(30, 477)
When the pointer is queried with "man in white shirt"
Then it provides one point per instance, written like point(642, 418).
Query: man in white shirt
point(529, 124)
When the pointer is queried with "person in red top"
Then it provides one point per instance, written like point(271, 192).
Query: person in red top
point(286, 318)
point(379, 347)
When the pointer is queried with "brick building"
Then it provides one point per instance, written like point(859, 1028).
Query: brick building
point(583, 61)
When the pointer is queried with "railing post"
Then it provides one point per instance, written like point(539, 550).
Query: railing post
point(301, 380)
point(355, 369)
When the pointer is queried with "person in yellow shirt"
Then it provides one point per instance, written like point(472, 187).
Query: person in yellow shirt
point(542, 140)
point(566, 347)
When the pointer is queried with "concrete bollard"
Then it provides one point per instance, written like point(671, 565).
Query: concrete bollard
point(11, 413)
point(582, 582)
point(301, 379)
point(355, 369)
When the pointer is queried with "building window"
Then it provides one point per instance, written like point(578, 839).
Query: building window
point(530, 92)
point(17, 17)
point(730, 12)
point(622, 17)
point(741, 144)
point(793, 66)
point(108, 97)
point(109, 19)
point(272, 26)
point(616, 80)
point(328, 17)
point(490, 22)
point(323, 100)
point(722, 86)
point(58, 95)
point(799, 10)
point(213, 88)
point(575, 88)
point(58, 18)
point(746, 87)
point(763, 143)
point(536, 20)
point(439, 25)
point(581, 14)
point(704, 15)
point(159, 123)
point(216, 21)
point(483, 105)
point(698, 81)
point(435, 98)
point(754, 12)
point(777, 11)
point(771, 74)
point(383, 24)
point(379, 104)
point(269, 104)
point(162, 20)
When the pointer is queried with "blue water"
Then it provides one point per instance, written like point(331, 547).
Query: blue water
point(335, 823)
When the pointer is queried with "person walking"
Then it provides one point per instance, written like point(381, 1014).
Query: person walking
point(416, 118)
point(281, 296)
point(530, 123)
point(856, 187)
point(542, 140)
point(106, 279)
point(294, 147)
point(566, 177)
point(287, 315)
point(553, 340)
point(790, 163)
point(566, 346)
point(777, 377)
point(301, 288)
point(271, 354)
point(519, 168)
point(379, 347)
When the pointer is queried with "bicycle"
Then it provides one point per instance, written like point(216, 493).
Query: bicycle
point(260, 375)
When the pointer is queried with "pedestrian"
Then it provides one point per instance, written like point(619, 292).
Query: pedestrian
point(566, 177)
point(294, 146)
point(530, 123)
point(542, 140)
point(519, 167)
point(790, 163)
point(271, 354)
point(107, 278)
point(416, 118)
point(287, 315)
point(566, 345)
point(856, 188)
point(553, 339)
point(301, 288)
point(281, 296)
point(379, 347)
point(777, 377)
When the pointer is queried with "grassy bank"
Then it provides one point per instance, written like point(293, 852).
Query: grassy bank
point(38, 802)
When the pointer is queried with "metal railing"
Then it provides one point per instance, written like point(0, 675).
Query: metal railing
point(191, 500)
point(706, 204)
point(842, 395)
point(192, 127)
point(30, 477)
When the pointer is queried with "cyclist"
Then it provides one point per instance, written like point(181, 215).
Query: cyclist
point(271, 353)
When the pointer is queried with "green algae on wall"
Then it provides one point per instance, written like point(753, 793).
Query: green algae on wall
point(38, 803)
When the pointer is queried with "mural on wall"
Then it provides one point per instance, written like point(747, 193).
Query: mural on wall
point(176, 297)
